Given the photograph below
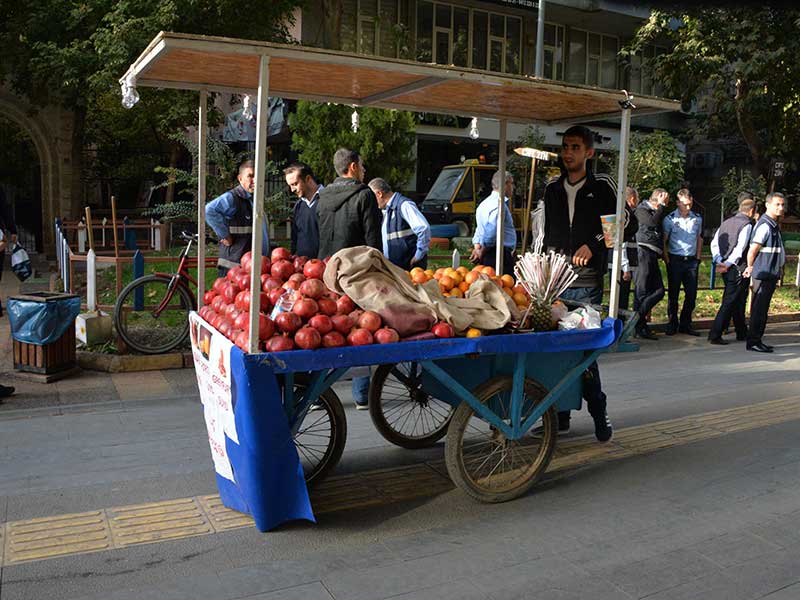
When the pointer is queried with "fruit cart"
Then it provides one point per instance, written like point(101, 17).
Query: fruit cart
point(259, 407)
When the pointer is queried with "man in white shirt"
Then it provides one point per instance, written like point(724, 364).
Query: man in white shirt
point(405, 232)
point(729, 248)
point(484, 242)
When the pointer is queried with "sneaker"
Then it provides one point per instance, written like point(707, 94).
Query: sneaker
point(602, 427)
point(6, 390)
point(360, 406)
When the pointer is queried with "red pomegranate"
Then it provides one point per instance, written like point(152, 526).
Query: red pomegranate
point(359, 337)
point(333, 339)
point(279, 343)
point(321, 323)
point(327, 306)
point(307, 338)
point(370, 320)
point(280, 253)
point(288, 322)
point(442, 330)
point(386, 335)
point(305, 308)
point(342, 323)
point(314, 269)
point(313, 288)
point(345, 305)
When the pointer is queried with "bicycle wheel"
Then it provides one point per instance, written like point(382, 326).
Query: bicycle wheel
point(482, 461)
point(138, 321)
point(404, 413)
point(322, 435)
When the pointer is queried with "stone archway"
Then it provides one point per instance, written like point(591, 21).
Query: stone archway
point(50, 130)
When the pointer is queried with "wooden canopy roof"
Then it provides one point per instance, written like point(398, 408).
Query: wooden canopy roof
point(181, 61)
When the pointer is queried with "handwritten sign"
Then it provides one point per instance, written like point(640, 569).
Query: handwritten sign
point(212, 362)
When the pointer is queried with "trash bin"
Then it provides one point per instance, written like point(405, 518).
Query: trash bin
point(43, 332)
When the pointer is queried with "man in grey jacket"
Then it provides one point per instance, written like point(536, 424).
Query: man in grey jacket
point(348, 212)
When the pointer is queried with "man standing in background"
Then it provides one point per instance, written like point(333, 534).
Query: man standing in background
point(650, 247)
point(484, 241)
point(305, 229)
point(406, 233)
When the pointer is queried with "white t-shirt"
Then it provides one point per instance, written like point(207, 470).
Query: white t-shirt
point(572, 192)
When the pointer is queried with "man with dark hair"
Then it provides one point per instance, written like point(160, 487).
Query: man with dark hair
point(231, 217)
point(484, 242)
point(405, 232)
point(572, 207)
point(765, 260)
point(729, 248)
point(305, 229)
point(649, 248)
point(347, 210)
point(683, 242)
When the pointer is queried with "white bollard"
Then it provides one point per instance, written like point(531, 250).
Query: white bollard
point(152, 233)
point(82, 237)
point(91, 281)
point(797, 277)
point(288, 230)
point(104, 231)
point(156, 237)
point(65, 263)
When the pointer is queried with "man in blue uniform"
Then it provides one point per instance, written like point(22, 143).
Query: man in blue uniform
point(406, 233)
point(765, 260)
point(231, 217)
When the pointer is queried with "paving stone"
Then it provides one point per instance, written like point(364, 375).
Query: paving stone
point(734, 548)
point(462, 589)
point(309, 591)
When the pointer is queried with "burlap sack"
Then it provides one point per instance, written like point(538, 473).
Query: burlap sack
point(374, 283)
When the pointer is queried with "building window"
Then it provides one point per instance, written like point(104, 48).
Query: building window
point(640, 80)
point(553, 51)
point(592, 58)
point(370, 27)
point(465, 37)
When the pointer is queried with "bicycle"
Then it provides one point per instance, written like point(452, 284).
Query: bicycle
point(151, 314)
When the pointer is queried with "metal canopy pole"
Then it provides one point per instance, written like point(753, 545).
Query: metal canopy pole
point(622, 182)
point(500, 209)
point(202, 134)
point(539, 64)
point(262, 120)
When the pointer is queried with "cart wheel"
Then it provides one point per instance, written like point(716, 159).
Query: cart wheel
point(321, 437)
point(402, 411)
point(482, 461)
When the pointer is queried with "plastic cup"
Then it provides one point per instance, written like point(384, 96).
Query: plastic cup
point(609, 223)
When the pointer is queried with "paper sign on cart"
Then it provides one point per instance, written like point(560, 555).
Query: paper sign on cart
point(212, 362)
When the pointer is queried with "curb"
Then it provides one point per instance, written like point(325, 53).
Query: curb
point(113, 363)
point(706, 323)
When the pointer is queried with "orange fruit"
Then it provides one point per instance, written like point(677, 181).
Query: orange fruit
point(463, 270)
point(456, 293)
point(487, 270)
point(507, 291)
point(508, 281)
point(473, 332)
point(419, 276)
point(471, 277)
point(457, 277)
point(429, 273)
point(519, 289)
point(520, 299)
point(446, 283)
point(463, 286)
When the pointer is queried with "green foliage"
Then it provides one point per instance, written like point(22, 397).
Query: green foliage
point(742, 65)
point(655, 161)
point(385, 139)
point(520, 166)
point(740, 180)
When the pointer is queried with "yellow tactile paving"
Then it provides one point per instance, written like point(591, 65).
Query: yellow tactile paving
point(64, 535)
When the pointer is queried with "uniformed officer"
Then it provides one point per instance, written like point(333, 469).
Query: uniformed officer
point(231, 217)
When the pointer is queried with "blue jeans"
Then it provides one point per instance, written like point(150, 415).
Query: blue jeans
point(592, 390)
point(361, 390)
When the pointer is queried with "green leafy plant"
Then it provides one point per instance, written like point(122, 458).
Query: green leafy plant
point(741, 180)
point(654, 161)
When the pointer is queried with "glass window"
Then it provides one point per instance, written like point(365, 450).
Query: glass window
point(368, 8)
point(647, 81)
point(443, 12)
point(484, 181)
point(366, 41)
point(465, 192)
point(445, 184)
point(480, 35)
point(496, 57)
point(498, 26)
point(442, 47)
point(594, 44)
point(576, 62)
point(553, 51)
point(425, 32)
point(388, 21)
point(593, 74)
point(513, 45)
point(635, 74)
point(349, 34)
point(461, 37)
point(608, 71)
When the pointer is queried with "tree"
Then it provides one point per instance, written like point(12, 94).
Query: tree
point(736, 181)
point(520, 166)
point(385, 139)
point(655, 161)
point(742, 65)
point(72, 54)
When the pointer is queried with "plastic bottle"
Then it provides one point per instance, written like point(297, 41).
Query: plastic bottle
point(284, 303)
point(456, 258)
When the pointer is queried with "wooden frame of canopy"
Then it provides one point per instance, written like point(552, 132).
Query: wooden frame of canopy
point(203, 63)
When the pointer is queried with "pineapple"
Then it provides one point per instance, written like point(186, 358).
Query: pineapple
point(544, 277)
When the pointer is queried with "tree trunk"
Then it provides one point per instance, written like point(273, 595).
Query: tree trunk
point(76, 180)
point(748, 130)
point(332, 24)
point(174, 153)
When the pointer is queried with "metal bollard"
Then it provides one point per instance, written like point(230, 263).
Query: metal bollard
point(138, 271)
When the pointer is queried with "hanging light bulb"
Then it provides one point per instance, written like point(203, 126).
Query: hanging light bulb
point(129, 94)
point(247, 108)
point(355, 120)
point(473, 129)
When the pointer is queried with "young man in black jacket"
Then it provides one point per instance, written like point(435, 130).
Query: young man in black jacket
point(347, 211)
point(572, 207)
point(650, 248)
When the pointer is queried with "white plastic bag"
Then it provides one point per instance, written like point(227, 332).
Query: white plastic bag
point(584, 317)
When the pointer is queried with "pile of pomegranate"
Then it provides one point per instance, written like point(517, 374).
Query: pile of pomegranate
point(319, 317)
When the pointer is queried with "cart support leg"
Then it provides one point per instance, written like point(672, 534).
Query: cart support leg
point(465, 395)
point(518, 394)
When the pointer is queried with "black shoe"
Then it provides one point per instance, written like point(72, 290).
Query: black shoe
point(6, 390)
point(646, 334)
point(741, 338)
point(717, 341)
point(767, 346)
point(671, 331)
point(689, 331)
point(563, 426)
point(602, 427)
point(759, 348)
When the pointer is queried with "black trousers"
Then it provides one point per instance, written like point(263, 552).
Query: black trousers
point(682, 271)
point(649, 285)
point(734, 300)
point(759, 309)
point(489, 259)
point(625, 291)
